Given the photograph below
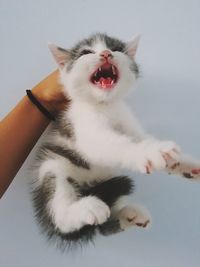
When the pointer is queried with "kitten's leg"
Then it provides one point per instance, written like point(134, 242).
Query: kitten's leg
point(186, 167)
point(108, 148)
point(67, 210)
point(101, 144)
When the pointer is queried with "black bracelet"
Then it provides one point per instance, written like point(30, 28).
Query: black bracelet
point(44, 111)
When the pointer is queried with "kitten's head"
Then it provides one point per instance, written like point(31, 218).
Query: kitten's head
point(100, 68)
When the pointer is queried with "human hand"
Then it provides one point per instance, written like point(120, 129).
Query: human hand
point(49, 93)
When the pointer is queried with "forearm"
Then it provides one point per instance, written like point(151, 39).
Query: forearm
point(19, 131)
point(22, 127)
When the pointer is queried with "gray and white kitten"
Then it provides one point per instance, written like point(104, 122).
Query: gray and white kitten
point(79, 181)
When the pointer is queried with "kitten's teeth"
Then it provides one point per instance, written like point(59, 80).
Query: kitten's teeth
point(113, 70)
point(99, 68)
point(112, 82)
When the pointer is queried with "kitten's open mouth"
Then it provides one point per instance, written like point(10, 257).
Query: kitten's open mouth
point(105, 77)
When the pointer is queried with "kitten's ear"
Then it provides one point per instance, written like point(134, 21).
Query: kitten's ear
point(131, 46)
point(60, 55)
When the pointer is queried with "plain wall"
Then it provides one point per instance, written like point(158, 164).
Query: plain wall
point(166, 100)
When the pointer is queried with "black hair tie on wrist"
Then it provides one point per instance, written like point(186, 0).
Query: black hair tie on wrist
point(44, 111)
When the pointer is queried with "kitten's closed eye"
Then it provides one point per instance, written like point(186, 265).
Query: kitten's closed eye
point(118, 49)
point(85, 52)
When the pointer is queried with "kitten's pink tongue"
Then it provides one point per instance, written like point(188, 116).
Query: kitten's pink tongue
point(106, 83)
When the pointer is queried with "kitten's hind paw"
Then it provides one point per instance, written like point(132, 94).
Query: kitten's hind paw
point(88, 210)
point(134, 216)
point(93, 211)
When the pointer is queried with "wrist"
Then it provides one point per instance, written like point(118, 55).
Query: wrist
point(44, 98)
point(39, 105)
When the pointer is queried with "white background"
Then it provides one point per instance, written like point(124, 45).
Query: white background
point(166, 101)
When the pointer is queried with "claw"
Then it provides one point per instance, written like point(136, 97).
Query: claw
point(187, 175)
point(149, 167)
point(166, 157)
point(147, 170)
point(131, 219)
point(175, 165)
point(143, 224)
point(146, 223)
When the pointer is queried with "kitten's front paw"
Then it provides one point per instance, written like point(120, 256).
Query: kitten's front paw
point(188, 168)
point(93, 211)
point(155, 155)
point(134, 216)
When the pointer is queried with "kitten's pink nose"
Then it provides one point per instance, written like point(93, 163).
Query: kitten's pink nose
point(106, 54)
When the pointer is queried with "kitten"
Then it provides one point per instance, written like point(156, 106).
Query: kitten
point(79, 182)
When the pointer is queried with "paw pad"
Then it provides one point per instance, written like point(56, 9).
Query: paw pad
point(196, 171)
